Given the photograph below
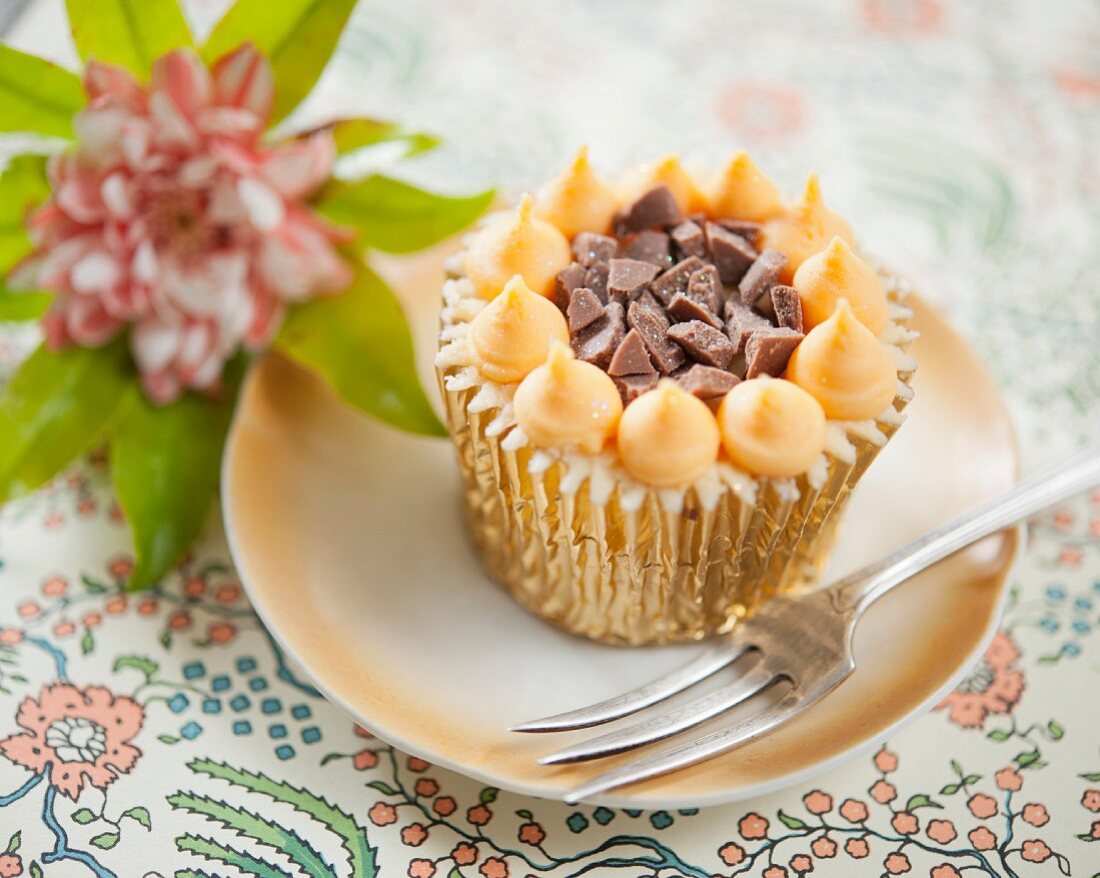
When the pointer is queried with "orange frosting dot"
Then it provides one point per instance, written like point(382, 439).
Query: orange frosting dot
point(804, 229)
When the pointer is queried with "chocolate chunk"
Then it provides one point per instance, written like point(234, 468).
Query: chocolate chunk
point(767, 351)
point(628, 279)
point(601, 338)
point(676, 279)
point(703, 343)
point(706, 382)
point(787, 306)
point(584, 309)
point(705, 287)
point(690, 239)
point(656, 209)
point(741, 322)
point(632, 386)
point(567, 280)
point(646, 316)
point(762, 275)
point(590, 248)
point(732, 255)
point(748, 230)
point(631, 357)
point(650, 246)
point(596, 280)
point(684, 308)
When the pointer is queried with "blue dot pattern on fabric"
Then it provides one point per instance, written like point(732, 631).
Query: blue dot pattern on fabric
point(257, 684)
point(603, 815)
point(191, 730)
point(178, 703)
point(240, 702)
point(220, 683)
point(242, 727)
point(661, 819)
point(577, 822)
point(211, 705)
point(311, 735)
point(246, 664)
point(301, 711)
point(277, 730)
point(271, 705)
point(284, 751)
point(194, 670)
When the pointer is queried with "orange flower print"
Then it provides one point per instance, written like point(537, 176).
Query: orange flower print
point(116, 605)
point(1035, 851)
point(982, 839)
point(421, 869)
point(824, 847)
point(120, 567)
point(221, 632)
point(179, 620)
point(761, 111)
point(63, 628)
point(775, 872)
point(853, 811)
point(532, 834)
point(1035, 814)
point(414, 834)
point(857, 848)
point(897, 864)
point(1009, 779)
point(426, 787)
point(382, 814)
point(801, 864)
point(903, 17)
point(752, 826)
point(10, 636)
point(28, 609)
point(817, 802)
point(942, 831)
point(444, 806)
point(982, 806)
point(364, 759)
point(494, 867)
point(946, 870)
point(91, 620)
point(464, 854)
point(54, 587)
point(885, 761)
point(1091, 800)
point(905, 823)
point(479, 815)
point(994, 686)
point(731, 853)
point(416, 764)
point(11, 865)
point(883, 792)
point(83, 735)
point(147, 607)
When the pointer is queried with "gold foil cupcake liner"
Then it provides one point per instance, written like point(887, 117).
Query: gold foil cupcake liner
point(630, 574)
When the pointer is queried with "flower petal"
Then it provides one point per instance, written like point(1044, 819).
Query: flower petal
point(295, 169)
point(108, 79)
point(182, 77)
point(243, 78)
point(265, 208)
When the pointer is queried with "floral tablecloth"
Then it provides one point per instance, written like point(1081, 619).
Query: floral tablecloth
point(964, 138)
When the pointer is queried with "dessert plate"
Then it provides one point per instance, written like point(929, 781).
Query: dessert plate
point(349, 538)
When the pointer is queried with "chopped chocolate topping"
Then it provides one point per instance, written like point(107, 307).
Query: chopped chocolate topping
point(584, 309)
point(676, 279)
point(767, 351)
point(706, 382)
point(650, 246)
point(596, 280)
point(705, 287)
point(631, 357)
point(732, 254)
point(601, 338)
point(689, 239)
point(646, 316)
point(703, 343)
point(741, 322)
point(787, 306)
point(762, 275)
point(590, 248)
point(568, 279)
point(628, 279)
point(654, 210)
point(632, 386)
point(684, 308)
point(748, 230)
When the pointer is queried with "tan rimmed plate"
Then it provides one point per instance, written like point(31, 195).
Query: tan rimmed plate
point(349, 538)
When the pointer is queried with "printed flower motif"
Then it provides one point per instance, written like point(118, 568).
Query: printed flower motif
point(11, 865)
point(426, 787)
point(853, 811)
point(10, 636)
point(753, 826)
point(382, 814)
point(1009, 779)
point(817, 802)
point(416, 764)
point(479, 815)
point(173, 217)
point(942, 831)
point(982, 839)
point(885, 761)
point(731, 853)
point(775, 872)
point(883, 792)
point(982, 806)
point(364, 759)
point(444, 806)
point(905, 823)
point(903, 17)
point(531, 833)
point(994, 686)
point(464, 854)
point(857, 848)
point(494, 867)
point(897, 864)
point(945, 870)
point(824, 847)
point(82, 735)
point(1035, 851)
point(421, 869)
point(1035, 814)
point(414, 834)
point(801, 864)
point(1091, 800)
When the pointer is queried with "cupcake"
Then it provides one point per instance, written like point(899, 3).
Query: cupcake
point(662, 393)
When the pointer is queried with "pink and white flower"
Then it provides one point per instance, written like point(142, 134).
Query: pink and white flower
point(173, 217)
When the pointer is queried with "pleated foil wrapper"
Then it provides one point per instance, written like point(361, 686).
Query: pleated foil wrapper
point(631, 566)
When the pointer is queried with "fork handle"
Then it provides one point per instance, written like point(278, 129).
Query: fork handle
point(1077, 472)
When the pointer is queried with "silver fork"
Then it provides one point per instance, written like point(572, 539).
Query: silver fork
point(802, 643)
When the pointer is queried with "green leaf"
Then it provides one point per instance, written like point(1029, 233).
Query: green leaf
point(1056, 730)
point(487, 795)
point(525, 814)
point(130, 33)
point(791, 822)
point(84, 816)
point(106, 840)
point(1026, 759)
point(87, 642)
point(14, 842)
point(398, 217)
point(298, 37)
point(92, 585)
point(1092, 776)
point(956, 767)
point(384, 788)
point(23, 186)
point(164, 465)
point(37, 95)
point(999, 735)
point(949, 789)
point(210, 849)
point(455, 873)
point(355, 134)
point(22, 306)
point(921, 801)
point(972, 779)
point(1087, 836)
point(360, 343)
point(140, 814)
point(55, 407)
point(36, 870)
point(146, 666)
point(168, 739)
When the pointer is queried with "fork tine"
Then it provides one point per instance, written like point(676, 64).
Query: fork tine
point(710, 662)
point(691, 752)
point(669, 724)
